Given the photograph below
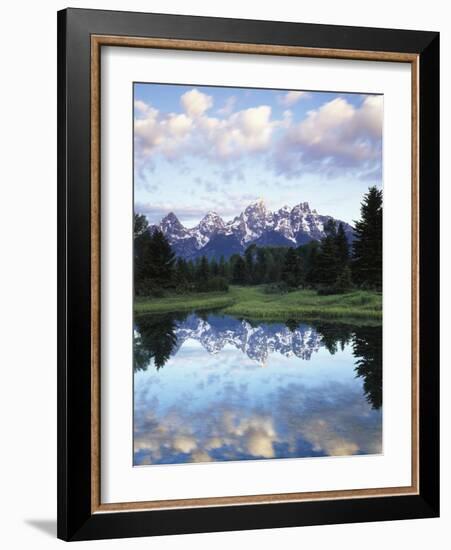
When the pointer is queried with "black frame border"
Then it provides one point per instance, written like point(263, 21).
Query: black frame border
point(75, 520)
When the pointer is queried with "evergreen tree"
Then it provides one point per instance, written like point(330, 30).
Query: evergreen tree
point(367, 246)
point(203, 273)
point(156, 340)
point(140, 225)
point(309, 254)
point(181, 274)
point(327, 263)
point(342, 247)
point(261, 267)
point(214, 267)
point(274, 270)
point(222, 268)
point(160, 260)
point(239, 271)
point(154, 260)
point(344, 281)
point(292, 269)
point(190, 270)
point(249, 260)
point(330, 228)
point(367, 349)
point(141, 238)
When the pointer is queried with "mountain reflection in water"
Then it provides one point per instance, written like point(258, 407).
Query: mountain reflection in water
point(320, 393)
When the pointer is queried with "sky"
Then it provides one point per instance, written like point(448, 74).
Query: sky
point(205, 148)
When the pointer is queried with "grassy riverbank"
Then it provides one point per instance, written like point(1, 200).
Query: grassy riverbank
point(184, 302)
point(253, 303)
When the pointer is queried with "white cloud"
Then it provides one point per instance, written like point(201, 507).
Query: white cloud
point(293, 97)
point(141, 106)
point(370, 115)
point(246, 131)
point(178, 125)
point(184, 443)
point(324, 124)
point(196, 103)
point(160, 132)
point(333, 137)
point(323, 437)
point(256, 432)
point(200, 456)
point(260, 443)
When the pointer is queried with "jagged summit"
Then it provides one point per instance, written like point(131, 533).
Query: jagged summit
point(170, 218)
point(213, 237)
point(302, 206)
point(211, 217)
point(171, 223)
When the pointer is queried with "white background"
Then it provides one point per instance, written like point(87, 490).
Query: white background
point(28, 274)
point(119, 481)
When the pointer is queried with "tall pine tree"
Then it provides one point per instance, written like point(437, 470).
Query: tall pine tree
point(140, 225)
point(160, 260)
point(239, 271)
point(154, 266)
point(261, 266)
point(203, 273)
point(222, 267)
point(341, 244)
point(181, 274)
point(250, 265)
point(292, 269)
point(327, 266)
point(141, 238)
point(367, 246)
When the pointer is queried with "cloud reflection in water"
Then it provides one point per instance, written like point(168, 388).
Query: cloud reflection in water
point(230, 390)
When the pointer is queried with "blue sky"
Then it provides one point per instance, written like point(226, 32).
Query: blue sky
point(201, 148)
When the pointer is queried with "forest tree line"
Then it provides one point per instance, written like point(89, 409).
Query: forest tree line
point(331, 265)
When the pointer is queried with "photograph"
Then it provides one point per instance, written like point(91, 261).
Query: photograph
point(248, 272)
point(257, 273)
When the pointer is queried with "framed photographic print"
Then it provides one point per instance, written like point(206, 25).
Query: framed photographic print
point(248, 274)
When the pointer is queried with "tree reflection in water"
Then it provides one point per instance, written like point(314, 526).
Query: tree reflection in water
point(367, 348)
point(154, 339)
point(158, 337)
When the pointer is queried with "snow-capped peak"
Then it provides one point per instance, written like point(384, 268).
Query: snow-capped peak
point(256, 208)
point(284, 227)
point(210, 222)
point(171, 222)
point(302, 207)
point(171, 217)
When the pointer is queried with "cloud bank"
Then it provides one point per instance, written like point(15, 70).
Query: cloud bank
point(335, 138)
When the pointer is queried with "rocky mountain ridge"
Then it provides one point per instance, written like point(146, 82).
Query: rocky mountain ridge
point(213, 237)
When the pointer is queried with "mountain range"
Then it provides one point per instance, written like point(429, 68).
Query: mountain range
point(213, 237)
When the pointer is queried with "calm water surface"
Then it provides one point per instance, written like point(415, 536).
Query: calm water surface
point(214, 388)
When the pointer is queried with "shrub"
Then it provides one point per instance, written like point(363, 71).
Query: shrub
point(276, 288)
point(344, 281)
point(327, 291)
point(217, 284)
point(342, 284)
point(147, 287)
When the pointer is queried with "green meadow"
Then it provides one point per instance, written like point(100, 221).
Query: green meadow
point(253, 302)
